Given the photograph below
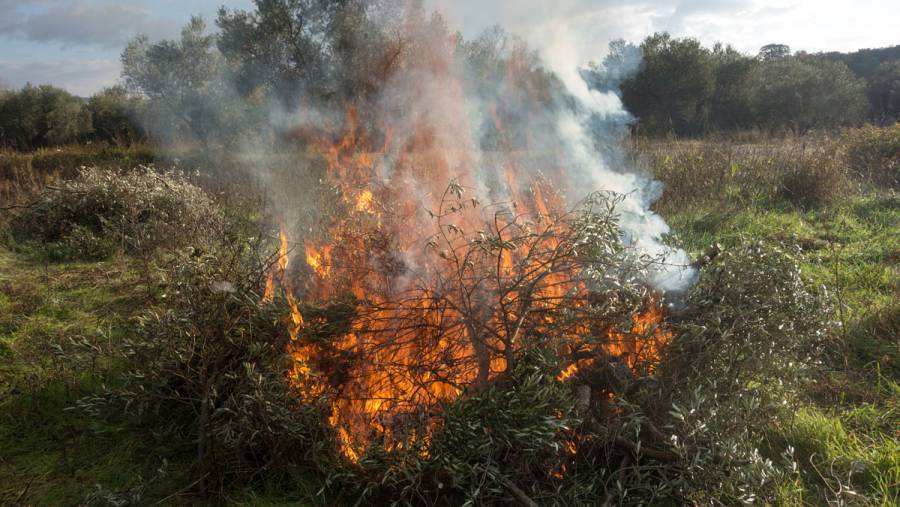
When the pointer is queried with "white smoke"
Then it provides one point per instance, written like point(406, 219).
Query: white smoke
point(435, 96)
point(563, 51)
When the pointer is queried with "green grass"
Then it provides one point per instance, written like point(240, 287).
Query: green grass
point(844, 428)
point(844, 454)
point(49, 453)
point(852, 248)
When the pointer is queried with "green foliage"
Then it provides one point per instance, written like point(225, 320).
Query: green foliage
point(115, 116)
point(812, 173)
point(56, 322)
point(42, 116)
point(774, 52)
point(818, 177)
point(208, 372)
point(181, 82)
point(884, 93)
point(752, 327)
point(848, 461)
point(750, 334)
point(102, 210)
point(686, 89)
point(850, 246)
point(803, 93)
point(874, 154)
point(508, 435)
point(671, 93)
point(326, 50)
point(45, 116)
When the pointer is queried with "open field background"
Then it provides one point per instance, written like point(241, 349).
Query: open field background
point(832, 199)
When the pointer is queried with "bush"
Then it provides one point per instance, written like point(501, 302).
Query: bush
point(101, 210)
point(209, 375)
point(808, 172)
point(816, 178)
point(690, 433)
point(751, 334)
point(750, 322)
point(492, 445)
point(68, 161)
point(874, 153)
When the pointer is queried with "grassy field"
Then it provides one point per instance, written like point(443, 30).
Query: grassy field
point(846, 430)
point(811, 195)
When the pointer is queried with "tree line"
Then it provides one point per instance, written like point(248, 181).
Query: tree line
point(290, 55)
point(683, 88)
point(45, 116)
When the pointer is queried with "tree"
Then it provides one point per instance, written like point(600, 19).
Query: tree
point(673, 90)
point(622, 62)
point(884, 93)
point(731, 102)
point(116, 115)
point(42, 116)
point(181, 81)
point(801, 93)
point(313, 50)
point(774, 52)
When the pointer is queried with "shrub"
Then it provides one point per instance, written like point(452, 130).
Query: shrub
point(209, 375)
point(808, 174)
point(101, 210)
point(816, 178)
point(68, 161)
point(750, 323)
point(492, 445)
point(874, 154)
point(690, 433)
point(750, 335)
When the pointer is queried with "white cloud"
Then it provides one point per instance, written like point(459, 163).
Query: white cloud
point(80, 76)
point(81, 23)
point(811, 25)
point(97, 23)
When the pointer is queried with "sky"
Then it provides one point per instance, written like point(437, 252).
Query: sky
point(76, 44)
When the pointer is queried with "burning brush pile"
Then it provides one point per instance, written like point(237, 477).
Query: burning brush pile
point(411, 305)
point(477, 307)
point(461, 226)
point(517, 349)
point(481, 305)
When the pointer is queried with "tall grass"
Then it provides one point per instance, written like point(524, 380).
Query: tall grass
point(835, 199)
point(22, 174)
point(803, 172)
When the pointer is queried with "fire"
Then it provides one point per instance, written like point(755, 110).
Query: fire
point(570, 370)
point(439, 294)
point(281, 263)
point(421, 334)
point(319, 259)
point(365, 202)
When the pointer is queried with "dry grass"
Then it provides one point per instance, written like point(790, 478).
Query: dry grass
point(23, 174)
point(804, 172)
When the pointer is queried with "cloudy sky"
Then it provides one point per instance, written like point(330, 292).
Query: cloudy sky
point(76, 43)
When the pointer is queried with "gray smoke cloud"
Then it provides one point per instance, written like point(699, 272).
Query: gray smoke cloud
point(474, 112)
point(591, 133)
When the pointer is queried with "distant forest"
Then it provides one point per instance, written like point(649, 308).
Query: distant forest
point(681, 87)
point(672, 86)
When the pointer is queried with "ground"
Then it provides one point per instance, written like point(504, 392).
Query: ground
point(844, 428)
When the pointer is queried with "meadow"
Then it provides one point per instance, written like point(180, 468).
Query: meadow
point(831, 200)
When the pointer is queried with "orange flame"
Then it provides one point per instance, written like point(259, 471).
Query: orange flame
point(445, 294)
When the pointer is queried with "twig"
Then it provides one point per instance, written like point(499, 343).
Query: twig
point(658, 455)
point(19, 498)
point(182, 490)
point(517, 493)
